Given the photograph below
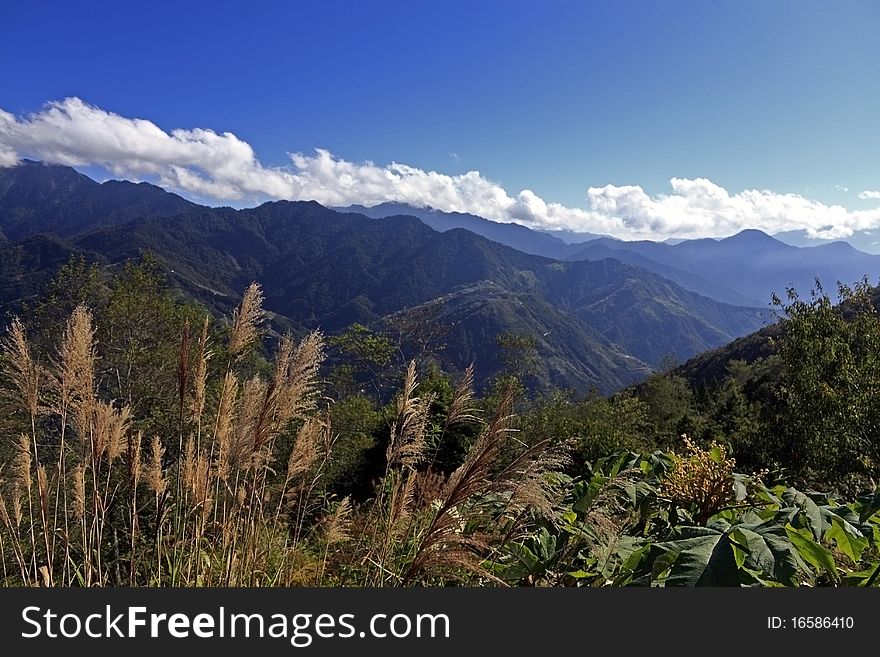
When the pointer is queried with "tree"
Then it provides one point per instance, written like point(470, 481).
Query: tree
point(364, 362)
point(77, 282)
point(419, 333)
point(828, 425)
point(140, 337)
point(669, 400)
point(518, 353)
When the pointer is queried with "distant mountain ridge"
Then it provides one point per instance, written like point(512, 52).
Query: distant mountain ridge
point(37, 198)
point(744, 269)
point(867, 241)
point(513, 235)
point(754, 264)
point(602, 324)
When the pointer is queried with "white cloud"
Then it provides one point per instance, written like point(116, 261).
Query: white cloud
point(870, 194)
point(221, 166)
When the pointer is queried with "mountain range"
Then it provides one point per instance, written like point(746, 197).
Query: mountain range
point(602, 313)
point(744, 269)
point(863, 240)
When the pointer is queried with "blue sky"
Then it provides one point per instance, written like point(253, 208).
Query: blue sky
point(551, 97)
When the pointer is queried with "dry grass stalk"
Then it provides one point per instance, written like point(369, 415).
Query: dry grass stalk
point(78, 361)
point(17, 512)
point(251, 414)
point(246, 319)
point(22, 465)
point(200, 373)
point(120, 424)
point(198, 481)
point(461, 408)
point(43, 488)
point(443, 544)
point(291, 392)
point(401, 504)
point(338, 525)
point(21, 369)
point(135, 464)
point(429, 486)
point(524, 480)
point(225, 421)
point(306, 448)
point(79, 492)
point(103, 417)
point(155, 477)
point(300, 388)
point(4, 514)
point(183, 367)
point(476, 470)
point(407, 445)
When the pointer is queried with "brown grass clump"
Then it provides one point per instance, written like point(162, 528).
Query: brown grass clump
point(425, 527)
point(223, 485)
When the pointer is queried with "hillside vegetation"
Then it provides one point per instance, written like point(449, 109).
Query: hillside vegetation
point(148, 442)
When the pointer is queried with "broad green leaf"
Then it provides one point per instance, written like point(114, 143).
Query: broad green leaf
point(686, 533)
point(754, 577)
point(708, 562)
point(812, 552)
point(546, 543)
point(861, 577)
point(848, 520)
point(525, 557)
point(848, 541)
point(661, 565)
point(588, 495)
point(718, 523)
point(869, 506)
point(632, 560)
point(810, 509)
point(739, 554)
point(873, 579)
point(770, 551)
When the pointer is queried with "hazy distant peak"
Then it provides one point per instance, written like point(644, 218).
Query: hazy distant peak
point(752, 235)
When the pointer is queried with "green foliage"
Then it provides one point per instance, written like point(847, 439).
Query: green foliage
point(615, 527)
point(628, 507)
point(141, 335)
point(829, 419)
point(800, 398)
point(359, 450)
point(77, 282)
point(596, 426)
point(519, 353)
point(670, 406)
point(365, 361)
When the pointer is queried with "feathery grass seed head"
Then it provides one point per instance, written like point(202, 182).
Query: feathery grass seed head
point(246, 319)
point(21, 368)
point(155, 477)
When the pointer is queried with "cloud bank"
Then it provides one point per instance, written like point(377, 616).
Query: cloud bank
point(225, 168)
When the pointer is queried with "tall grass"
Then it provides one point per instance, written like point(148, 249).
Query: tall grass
point(235, 497)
